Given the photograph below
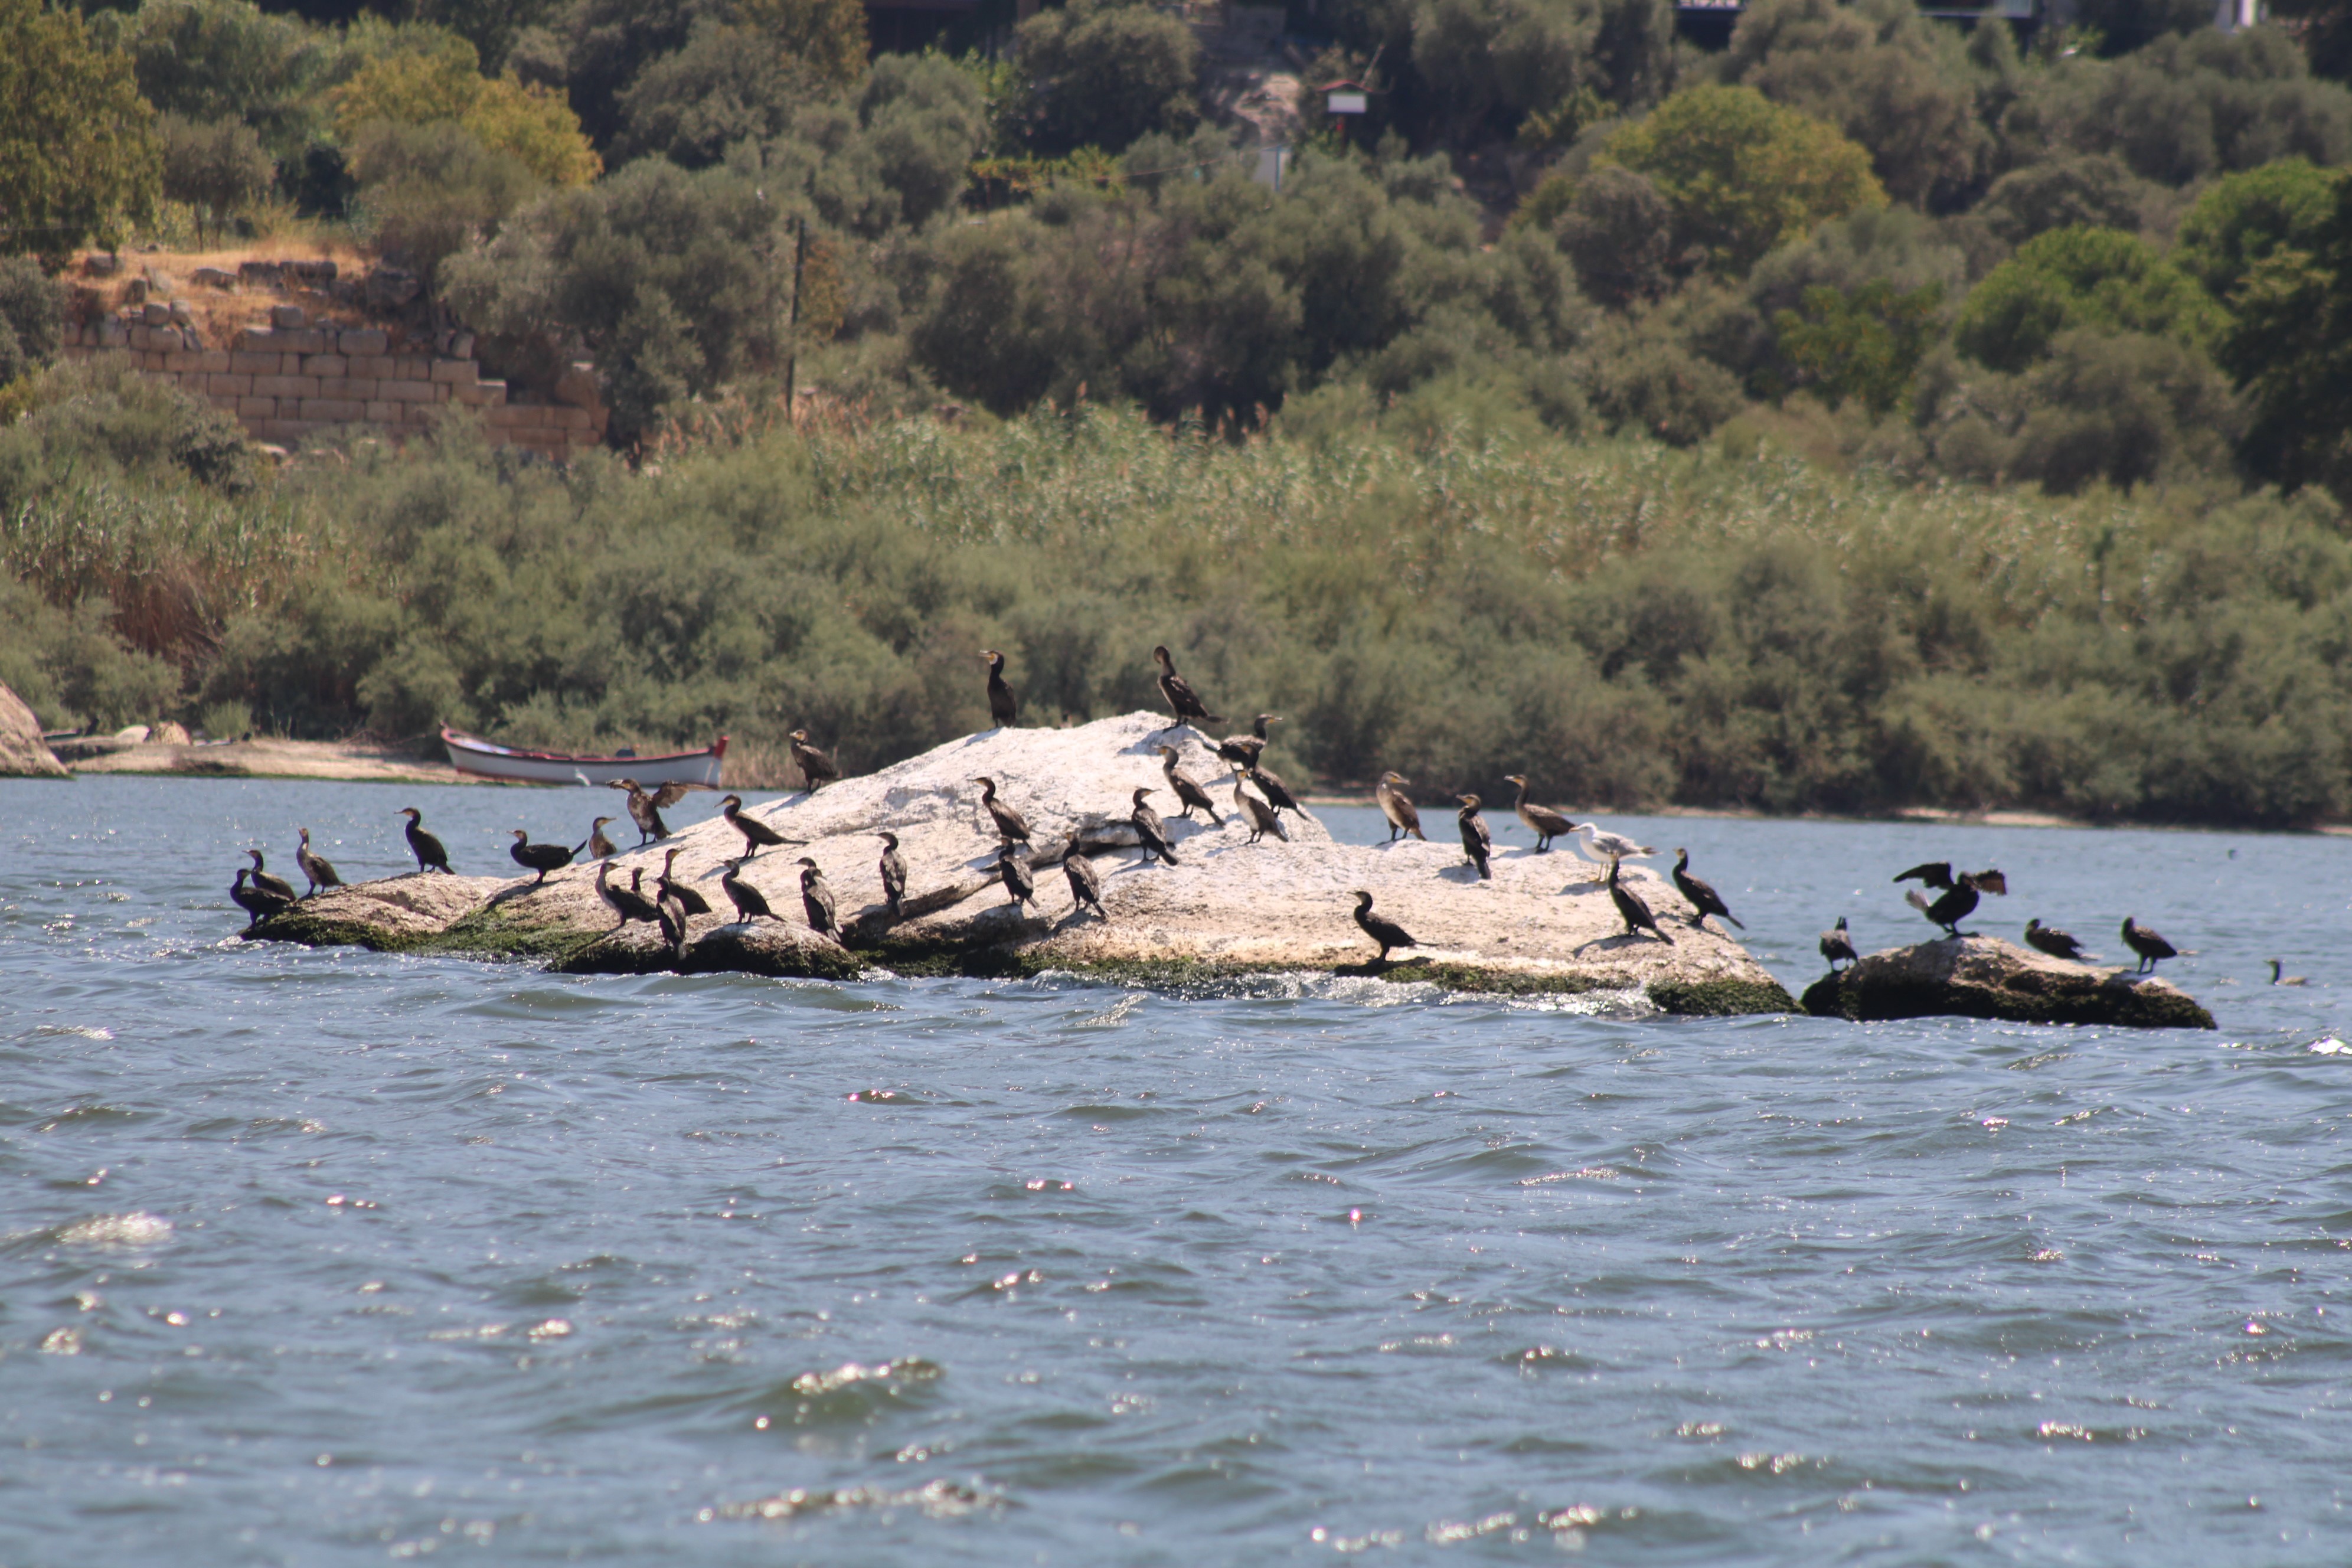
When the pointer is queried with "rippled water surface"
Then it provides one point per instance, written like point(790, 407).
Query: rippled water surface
point(317, 1258)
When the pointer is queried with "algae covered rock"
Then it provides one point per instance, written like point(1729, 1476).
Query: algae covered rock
point(1985, 978)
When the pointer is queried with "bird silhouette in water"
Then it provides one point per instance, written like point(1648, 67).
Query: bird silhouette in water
point(2279, 979)
point(2151, 948)
point(1960, 892)
point(1837, 942)
point(1002, 708)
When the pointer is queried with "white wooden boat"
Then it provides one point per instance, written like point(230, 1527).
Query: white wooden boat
point(485, 759)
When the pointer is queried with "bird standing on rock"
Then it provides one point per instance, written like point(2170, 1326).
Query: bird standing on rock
point(1387, 932)
point(816, 899)
point(668, 886)
point(1181, 698)
point(1186, 788)
point(1605, 848)
point(757, 834)
point(541, 858)
point(430, 855)
point(628, 902)
point(1838, 943)
point(2053, 941)
point(269, 883)
point(315, 866)
point(750, 904)
point(1703, 897)
point(1002, 708)
point(1020, 882)
point(817, 770)
point(1244, 751)
point(1960, 896)
point(598, 847)
point(2151, 947)
point(1086, 883)
point(1260, 815)
point(1476, 842)
point(1635, 913)
point(1011, 825)
point(257, 905)
point(1398, 807)
point(1542, 820)
point(1150, 831)
point(894, 876)
point(645, 807)
point(671, 917)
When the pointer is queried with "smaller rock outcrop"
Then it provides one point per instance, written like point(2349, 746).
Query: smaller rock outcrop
point(1985, 978)
point(23, 754)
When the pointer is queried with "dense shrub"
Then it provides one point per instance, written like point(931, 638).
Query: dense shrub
point(429, 191)
point(2079, 276)
point(2242, 220)
point(1490, 64)
point(1104, 72)
point(217, 168)
point(2091, 191)
point(32, 317)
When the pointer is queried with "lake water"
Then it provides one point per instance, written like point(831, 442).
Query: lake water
point(327, 1257)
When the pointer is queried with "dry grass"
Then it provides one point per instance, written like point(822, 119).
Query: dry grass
point(170, 275)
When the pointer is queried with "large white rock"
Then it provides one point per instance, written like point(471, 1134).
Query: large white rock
point(22, 753)
point(1545, 923)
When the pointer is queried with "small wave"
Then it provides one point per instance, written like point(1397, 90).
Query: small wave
point(79, 1031)
point(2069, 1431)
point(137, 1228)
point(935, 1500)
point(905, 1370)
point(2330, 1047)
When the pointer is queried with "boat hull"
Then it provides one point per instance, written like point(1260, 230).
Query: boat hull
point(478, 758)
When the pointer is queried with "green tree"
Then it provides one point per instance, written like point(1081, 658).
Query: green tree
point(217, 168)
point(2242, 220)
point(78, 144)
point(1863, 344)
point(1893, 81)
point(531, 124)
point(1490, 64)
point(2072, 278)
point(209, 60)
point(1743, 174)
point(2289, 346)
point(430, 191)
point(825, 38)
point(1104, 72)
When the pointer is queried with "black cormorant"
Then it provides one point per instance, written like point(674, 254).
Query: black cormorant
point(598, 847)
point(671, 916)
point(315, 866)
point(817, 770)
point(1020, 882)
point(1086, 883)
point(1477, 843)
point(894, 876)
point(1387, 932)
point(1182, 697)
point(2279, 979)
point(1635, 913)
point(541, 858)
point(1959, 898)
point(1009, 823)
point(268, 882)
point(1838, 943)
point(1150, 831)
point(1244, 751)
point(645, 807)
point(1398, 807)
point(630, 902)
point(750, 904)
point(1544, 822)
point(1262, 817)
point(757, 834)
point(1002, 708)
point(2151, 947)
point(670, 887)
point(1186, 788)
point(1702, 896)
point(816, 900)
point(2052, 940)
point(430, 856)
point(257, 905)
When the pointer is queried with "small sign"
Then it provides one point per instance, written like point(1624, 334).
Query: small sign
point(1344, 102)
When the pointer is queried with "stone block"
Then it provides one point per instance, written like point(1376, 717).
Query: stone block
point(504, 416)
point(111, 335)
point(361, 341)
point(260, 274)
point(382, 366)
point(296, 387)
point(326, 366)
point(406, 390)
point(251, 408)
point(244, 364)
point(317, 274)
point(577, 384)
point(287, 318)
point(359, 388)
point(479, 393)
point(228, 384)
point(453, 370)
point(333, 410)
point(156, 313)
point(215, 277)
point(308, 340)
point(381, 413)
point(182, 361)
point(181, 315)
point(571, 418)
point(213, 362)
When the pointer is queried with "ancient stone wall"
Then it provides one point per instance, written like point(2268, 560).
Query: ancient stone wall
point(292, 378)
